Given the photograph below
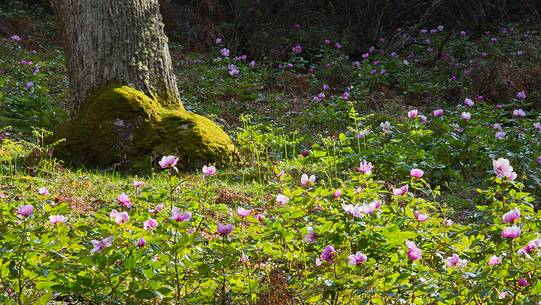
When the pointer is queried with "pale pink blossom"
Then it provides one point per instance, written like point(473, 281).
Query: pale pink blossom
point(150, 224)
point(357, 259)
point(494, 260)
point(420, 216)
point(311, 236)
point(243, 212)
point(416, 173)
point(124, 200)
point(55, 219)
point(412, 114)
point(502, 168)
point(209, 170)
point(168, 162)
point(180, 216)
point(43, 191)
point(468, 102)
point(401, 190)
point(511, 232)
point(119, 217)
point(365, 167)
point(511, 216)
point(438, 113)
point(354, 210)
point(99, 245)
point(455, 261)
point(519, 113)
point(138, 184)
point(281, 199)
point(25, 210)
point(414, 253)
point(305, 180)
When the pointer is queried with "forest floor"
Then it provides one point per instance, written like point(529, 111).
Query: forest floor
point(362, 127)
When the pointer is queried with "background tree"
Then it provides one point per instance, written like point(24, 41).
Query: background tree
point(126, 108)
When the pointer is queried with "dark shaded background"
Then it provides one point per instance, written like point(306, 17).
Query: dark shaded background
point(265, 27)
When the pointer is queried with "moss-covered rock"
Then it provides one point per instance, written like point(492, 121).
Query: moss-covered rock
point(122, 127)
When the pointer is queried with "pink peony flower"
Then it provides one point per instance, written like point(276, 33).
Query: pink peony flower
point(337, 193)
point(357, 259)
point(420, 217)
point(414, 253)
point(365, 167)
point(224, 229)
point(412, 114)
point(376, 204)
point(401, 190)
point(55, 219)
point(243, 212)
point(311, 236)
point(124, 200)
point(500, 135)
point(99, 245)
point(305, 180)
point(523, 282)
point(531, 246)
point(209, 170)
point(502, 168)
point(43, 191)
point(138, 184)
point(328, 254)
point(466, 116)
point(511, 216)
point(327, 42)
point(178, 216)
point(416, 173)
point(224, 52)
point(494, 260)
point(297, 49)
point(438, 113)
point(519, 113)
point(385, 126)
point(281, 199)
point(119, 217)
point(150, 224)
point(468, 102)
point(25, 210)
point(168, 162)
point(354, 210)
point(511, 232)
point(141, 243)
point(455, 261)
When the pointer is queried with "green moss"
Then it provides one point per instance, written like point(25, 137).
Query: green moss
point(122, 127)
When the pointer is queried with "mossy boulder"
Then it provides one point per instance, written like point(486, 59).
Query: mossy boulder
point(122, 127)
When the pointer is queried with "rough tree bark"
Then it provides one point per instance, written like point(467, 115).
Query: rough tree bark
point(121, 41)
point(126, 108)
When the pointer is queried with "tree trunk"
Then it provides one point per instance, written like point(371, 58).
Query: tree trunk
point(116, 41)
point(126, 108)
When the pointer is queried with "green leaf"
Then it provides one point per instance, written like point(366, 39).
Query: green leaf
point(145, 294)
